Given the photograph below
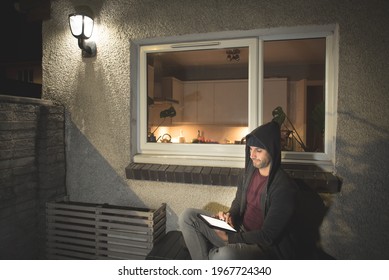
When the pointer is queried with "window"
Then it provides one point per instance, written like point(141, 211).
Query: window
point(197, 100)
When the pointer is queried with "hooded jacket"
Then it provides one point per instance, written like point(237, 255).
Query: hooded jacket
point(278, 203)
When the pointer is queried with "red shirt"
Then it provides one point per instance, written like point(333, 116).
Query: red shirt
point(253, 216)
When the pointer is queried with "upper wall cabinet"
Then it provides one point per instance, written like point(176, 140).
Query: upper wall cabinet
point(215, 102)
point(231, 102)
point(274, 95)
point(226, 101)
point(220, 102)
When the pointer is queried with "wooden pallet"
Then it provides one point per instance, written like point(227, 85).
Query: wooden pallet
point(101, 231)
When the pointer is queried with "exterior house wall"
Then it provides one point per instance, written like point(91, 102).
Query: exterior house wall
point(99, 95)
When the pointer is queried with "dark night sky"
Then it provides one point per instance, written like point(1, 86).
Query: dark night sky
point(21, 40)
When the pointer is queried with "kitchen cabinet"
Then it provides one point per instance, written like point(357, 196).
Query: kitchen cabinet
point(205, 103)
point(275, 92)
point(231, 102)
point(215, 102)
point(189, 105)
point(218, 101)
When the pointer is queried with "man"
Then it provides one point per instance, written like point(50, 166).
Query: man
point(262, 211)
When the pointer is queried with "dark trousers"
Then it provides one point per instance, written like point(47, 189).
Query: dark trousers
point(203, 243)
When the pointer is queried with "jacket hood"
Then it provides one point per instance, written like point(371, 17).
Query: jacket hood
point(268, 137)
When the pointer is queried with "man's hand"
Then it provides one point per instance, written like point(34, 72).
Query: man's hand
point(225, 217)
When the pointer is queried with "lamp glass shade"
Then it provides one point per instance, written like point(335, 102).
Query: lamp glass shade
point(88, 26)
point(75, 22)
point(81, 26)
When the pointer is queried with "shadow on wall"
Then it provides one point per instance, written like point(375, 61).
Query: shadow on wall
point(310, 213)
point(90, 177)
point(358, 219)
point(215, 207)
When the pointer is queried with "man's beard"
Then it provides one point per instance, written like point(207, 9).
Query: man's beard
point(261, 163)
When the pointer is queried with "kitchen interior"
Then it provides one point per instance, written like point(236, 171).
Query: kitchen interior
point(201, 96)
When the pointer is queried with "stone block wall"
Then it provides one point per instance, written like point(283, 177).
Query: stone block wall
point(32, 172)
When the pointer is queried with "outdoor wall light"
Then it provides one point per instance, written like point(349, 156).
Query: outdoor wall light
point(81, 27)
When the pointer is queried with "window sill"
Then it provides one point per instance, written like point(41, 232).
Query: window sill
point(310, 175)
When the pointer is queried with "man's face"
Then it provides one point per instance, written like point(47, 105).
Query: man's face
point(260, 157)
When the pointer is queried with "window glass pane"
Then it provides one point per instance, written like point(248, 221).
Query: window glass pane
point(293, 91)
point(197, 96)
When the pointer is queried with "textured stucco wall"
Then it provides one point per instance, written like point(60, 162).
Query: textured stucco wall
point(99, 96)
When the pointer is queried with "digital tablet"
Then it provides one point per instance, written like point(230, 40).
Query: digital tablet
point(216, 223)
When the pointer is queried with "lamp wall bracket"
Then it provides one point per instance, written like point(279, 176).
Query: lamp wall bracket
point(88, 47)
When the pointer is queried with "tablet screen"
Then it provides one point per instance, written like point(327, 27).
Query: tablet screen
point(216, 223)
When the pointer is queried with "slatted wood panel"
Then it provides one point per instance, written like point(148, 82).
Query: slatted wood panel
point(100, 231)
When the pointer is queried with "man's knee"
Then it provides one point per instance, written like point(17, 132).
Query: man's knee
point(187, 216)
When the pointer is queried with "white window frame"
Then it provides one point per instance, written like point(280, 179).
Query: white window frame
point(224, 155)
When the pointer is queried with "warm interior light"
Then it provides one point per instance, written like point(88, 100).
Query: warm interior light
point(81, 27)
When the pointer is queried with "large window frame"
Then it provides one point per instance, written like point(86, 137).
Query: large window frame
point(221, 155)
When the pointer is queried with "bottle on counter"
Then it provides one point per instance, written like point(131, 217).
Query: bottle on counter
point(181, 139)
point(200, 137)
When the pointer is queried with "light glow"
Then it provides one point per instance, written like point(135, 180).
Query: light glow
point(81, 26)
